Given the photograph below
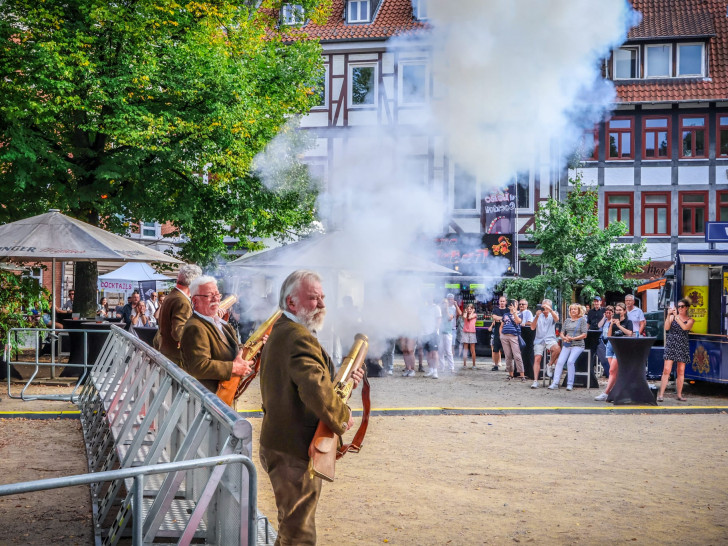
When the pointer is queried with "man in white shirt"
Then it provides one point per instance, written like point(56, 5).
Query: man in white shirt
point(430, 317)
point(544, 323)
point(636, 315)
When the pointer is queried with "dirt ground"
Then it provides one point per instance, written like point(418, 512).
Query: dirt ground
point(572, 471)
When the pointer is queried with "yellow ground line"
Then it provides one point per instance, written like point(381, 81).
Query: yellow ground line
point(505, 408)
point(62, 412)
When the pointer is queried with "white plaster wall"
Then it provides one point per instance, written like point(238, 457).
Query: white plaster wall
point(410, 116)
point(544, 188)
point(658, 251)
point(387, 63)
point(721, 174)
point(389, 87)
point(337, 66)
point(362, 117)
point(589, 176)
point(336, 88)
point(315, 119)
point(359, 57)
point(619, 176)
point(692, 175)
point(692, 246)
point(656, 176)
point(469, 225)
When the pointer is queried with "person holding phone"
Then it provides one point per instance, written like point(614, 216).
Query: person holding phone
point(677, 346)
point(619, 326)
point(510, 331)
point(573, 334)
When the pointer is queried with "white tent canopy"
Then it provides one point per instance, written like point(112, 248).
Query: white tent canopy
point(127, 277)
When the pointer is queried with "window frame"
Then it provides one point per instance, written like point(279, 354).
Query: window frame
point(655, 206)
point(637, 66)
point(358, 3)
point(670, 72)
point(607, 132)
point(718, 195)
point(630, 206)
point(419, 6)
point(706, 137)
point(645, 130)
point(327, 98)
point(702, 60)
point(289, 10)
point(425, 83)
point(682, 206)
point(718, 128)
point(155, 226)
point(477, 194)
point(350, 84)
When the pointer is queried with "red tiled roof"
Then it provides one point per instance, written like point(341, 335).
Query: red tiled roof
point(392, 18)
point(681, 18)
point(673, 25)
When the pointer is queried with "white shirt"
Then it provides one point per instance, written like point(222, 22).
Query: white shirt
point(545, 328)
point(217, 321)
point(526, 317)
point(636, 316)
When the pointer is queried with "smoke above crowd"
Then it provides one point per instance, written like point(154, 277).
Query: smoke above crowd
point(514, 86)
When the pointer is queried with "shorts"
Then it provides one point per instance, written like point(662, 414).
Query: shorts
point(610, 351)
point(429, 342)
point(468, 337)
point(539, 346)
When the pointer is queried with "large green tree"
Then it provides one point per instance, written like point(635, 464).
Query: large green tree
point(577, 255)
point(121, 111)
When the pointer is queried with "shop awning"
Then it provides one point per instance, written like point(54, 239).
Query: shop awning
point(650, 285)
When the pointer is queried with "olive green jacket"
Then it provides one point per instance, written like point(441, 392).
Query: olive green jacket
point(206, 356)
point(297, 390)
point(174, 313)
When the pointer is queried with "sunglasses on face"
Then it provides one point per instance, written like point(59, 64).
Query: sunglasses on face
point(679, 306)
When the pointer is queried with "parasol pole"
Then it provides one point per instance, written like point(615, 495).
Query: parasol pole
point(53, 293)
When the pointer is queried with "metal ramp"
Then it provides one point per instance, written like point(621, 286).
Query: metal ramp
point(139, 409)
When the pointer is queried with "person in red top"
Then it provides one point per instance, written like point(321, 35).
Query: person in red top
point(468, 337)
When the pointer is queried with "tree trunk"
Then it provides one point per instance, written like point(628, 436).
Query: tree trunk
point(86, 275)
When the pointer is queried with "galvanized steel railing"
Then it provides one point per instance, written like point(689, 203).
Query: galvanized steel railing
point(139, 408)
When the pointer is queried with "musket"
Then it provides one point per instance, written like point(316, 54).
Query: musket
point(231, 389)
point(324, 448)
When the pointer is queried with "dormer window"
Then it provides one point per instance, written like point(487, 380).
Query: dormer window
point(690, 60)
point(358, 11)
point(665, 60)
point(292, 14)
point(626, 63)
point(419, 9)
point(658, 60)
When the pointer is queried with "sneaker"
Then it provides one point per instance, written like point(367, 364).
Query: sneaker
point(452, 369)
point(553, 387)
point(494, 369)
point(431, 372)
point(434, 375)
point(602, 397)
point(569, 388)
point(550, 370)
point(405, 373)
point(534, 385)
point(389, 372)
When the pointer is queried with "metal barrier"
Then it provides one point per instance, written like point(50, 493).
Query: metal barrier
point(139, 408)
point(36, 334)
point(137, 474)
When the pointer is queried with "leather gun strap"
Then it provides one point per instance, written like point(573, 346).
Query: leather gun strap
point(355, 444)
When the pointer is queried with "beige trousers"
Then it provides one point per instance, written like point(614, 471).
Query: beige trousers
point(512, 350)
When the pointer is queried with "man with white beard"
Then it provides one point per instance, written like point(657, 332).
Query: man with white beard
point(297, 392)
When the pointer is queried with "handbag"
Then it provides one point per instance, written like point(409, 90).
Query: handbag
point(521, 341)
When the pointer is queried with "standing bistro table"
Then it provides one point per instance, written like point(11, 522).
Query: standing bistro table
point(146, 333)
point(75, 349)
point(631, 387)
point(95, 340)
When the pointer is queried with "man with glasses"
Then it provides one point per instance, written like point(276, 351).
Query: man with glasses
point(636, 315)
point(209, 345)
point(68, 306)
point(174, 312)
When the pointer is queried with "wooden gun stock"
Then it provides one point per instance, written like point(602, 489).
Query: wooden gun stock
point(323, 450)
point(231, 389)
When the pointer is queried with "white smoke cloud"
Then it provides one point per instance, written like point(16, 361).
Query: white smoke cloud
point(510, 79)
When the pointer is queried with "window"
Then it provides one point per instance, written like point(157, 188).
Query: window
point(465, 188)
point(149, 229)
point(358, 11)
point(322, 89)
point(419, 9)
point(690, 60)
point(721, 199)
point(413, 83)
point(658, 61)
point(619, 134)
point(656, 137)
point(363, 88)
point(693, 134)
point(722, 147)
point(626, 63)
point(656, 213)
point(589, 146)
point(693, 212)
point(619, 209)
point(523, 190)
point(292, 14)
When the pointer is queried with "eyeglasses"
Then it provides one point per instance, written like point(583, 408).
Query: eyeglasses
point(522, 304)
point(679, 306)
point(216, 296)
